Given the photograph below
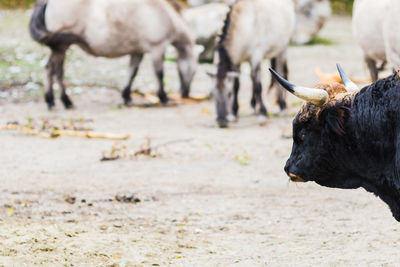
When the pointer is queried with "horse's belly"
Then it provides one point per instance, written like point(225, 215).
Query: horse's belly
point(127, 38)
point(113, 50)
point(117, 47)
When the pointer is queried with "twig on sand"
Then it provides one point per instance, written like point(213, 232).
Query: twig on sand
point(151, 99)
point(30, 131)
point(120, 152)
point(91, 135)
point(47, 130)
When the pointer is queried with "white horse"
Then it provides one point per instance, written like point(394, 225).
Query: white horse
point(113, 29)
point(391, 33)
point(254, 30)
point(368, 20)
point(311, 16)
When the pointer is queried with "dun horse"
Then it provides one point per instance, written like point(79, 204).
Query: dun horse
point(113, 29)
point(253, 31)
point(368, 20)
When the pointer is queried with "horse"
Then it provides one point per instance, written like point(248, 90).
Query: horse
point(253, 30)
point(113, 29)
point(368, 28)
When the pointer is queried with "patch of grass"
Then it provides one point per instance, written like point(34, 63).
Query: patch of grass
point(243, 160)
point(274, 115)
point(5, 64)
point(297, 104)
point(16, 3)
point(318, 40)
point(170, 59)
point(342, 6)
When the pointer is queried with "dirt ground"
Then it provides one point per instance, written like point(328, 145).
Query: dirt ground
point(215, 197)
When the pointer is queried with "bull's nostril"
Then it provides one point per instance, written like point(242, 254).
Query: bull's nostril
point(287, 168)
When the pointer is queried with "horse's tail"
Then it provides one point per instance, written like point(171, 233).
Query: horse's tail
point(40, 33)
point(37, 25)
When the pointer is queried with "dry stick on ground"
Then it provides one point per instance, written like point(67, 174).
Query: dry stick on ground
point(145, 150)
point(15, 127)
point(154, 100)
point(89, 134)
point(56, 133)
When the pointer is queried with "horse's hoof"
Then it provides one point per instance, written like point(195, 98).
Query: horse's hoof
point(69, 105)
point(163, 98)
point(127, 99)
point(224, 123)
point(262, 119)
point(67, 102)
point(126, 95)
point(185, 93)
point(128, 102)
point(232, 118)
point(49, 98)
point(50, 106)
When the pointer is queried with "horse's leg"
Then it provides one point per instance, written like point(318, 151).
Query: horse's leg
point(186, 64)
point(158, 63)
point(50, 72)
point(281, 68)
point(133, 70)
point(58, 62)
point(236, 86)
point(257, 88)
point(273, 66)
point(373, 70)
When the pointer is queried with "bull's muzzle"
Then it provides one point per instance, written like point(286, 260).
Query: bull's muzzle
point(295, 178)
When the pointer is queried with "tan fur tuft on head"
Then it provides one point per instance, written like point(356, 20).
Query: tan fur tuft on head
point(336, 91)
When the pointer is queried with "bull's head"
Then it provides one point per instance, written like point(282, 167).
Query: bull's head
point(317, 128)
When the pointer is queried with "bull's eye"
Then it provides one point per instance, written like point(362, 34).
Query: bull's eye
point(300, 136)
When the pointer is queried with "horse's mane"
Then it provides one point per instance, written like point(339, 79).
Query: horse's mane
point(178, 5)
point(225, 62)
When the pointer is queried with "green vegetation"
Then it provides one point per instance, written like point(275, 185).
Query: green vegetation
point(318, 40)
point(342, 6)
point(16, 3)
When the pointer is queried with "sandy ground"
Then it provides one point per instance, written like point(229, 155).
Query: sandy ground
point(215, 198)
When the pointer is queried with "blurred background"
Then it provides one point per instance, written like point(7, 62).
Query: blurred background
point(208, 197)
point(339, 6)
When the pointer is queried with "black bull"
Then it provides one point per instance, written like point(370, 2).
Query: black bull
point(352, 141)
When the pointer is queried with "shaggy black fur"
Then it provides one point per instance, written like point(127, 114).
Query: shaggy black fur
point(353, 143)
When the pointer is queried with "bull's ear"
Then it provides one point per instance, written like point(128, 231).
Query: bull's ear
point(335, 119)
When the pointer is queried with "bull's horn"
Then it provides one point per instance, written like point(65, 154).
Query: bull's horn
point(348, 84)
point(317, 97)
